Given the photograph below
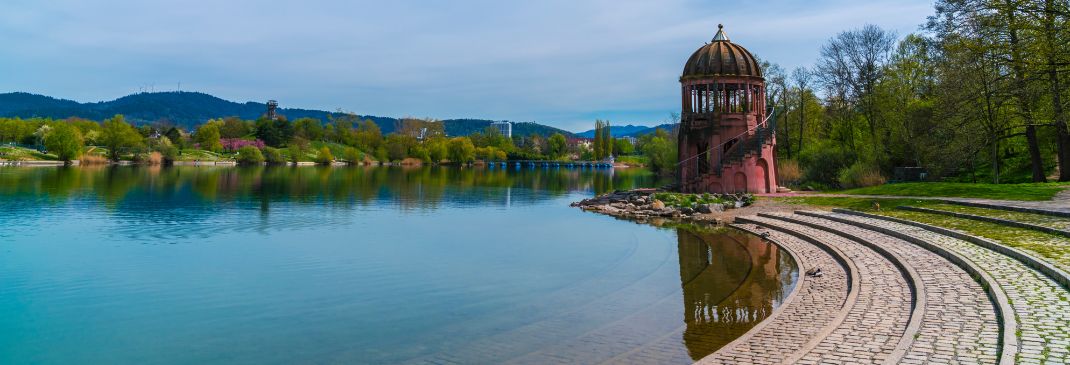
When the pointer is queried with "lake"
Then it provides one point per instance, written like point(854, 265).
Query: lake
point(270, 265)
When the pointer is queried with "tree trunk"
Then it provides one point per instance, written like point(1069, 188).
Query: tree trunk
point(802, 117)
point(1034, 154)
point(1062, 136)
point(1020, 93)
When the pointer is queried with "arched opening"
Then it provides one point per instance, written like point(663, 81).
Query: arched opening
point(763, 176)
point(740, 183)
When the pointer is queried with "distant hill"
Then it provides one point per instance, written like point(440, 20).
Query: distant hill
point(628, 130)
point(188, 109)
point(616, 131)
point(464, 127)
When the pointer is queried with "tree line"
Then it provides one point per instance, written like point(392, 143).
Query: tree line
point(345, 138)
point(979, 94)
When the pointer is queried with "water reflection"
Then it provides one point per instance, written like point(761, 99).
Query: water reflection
point(409, 188)
point(731, 282)
point(361, 265)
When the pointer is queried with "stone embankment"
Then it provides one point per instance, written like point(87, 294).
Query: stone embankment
point(642, 205)
point(881, 290)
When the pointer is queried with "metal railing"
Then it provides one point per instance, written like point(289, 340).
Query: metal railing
point(714, 159)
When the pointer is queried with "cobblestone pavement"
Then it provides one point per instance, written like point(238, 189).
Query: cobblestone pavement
point(816, 303)
point(1040, 304)
point(878, 319)
point(959, 324)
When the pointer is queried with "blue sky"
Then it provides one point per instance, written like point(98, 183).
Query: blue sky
point(558, 62)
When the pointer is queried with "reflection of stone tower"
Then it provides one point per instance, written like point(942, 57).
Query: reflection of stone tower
point(729, 282)
point(271, 106)
point(725, 144)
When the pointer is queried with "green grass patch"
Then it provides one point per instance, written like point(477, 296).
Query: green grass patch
point(1054, 248)
point(680, 200)
point(15, 153)
point(859, 204)
point(1031, 191)
point(201, 155)
point(1031, 218)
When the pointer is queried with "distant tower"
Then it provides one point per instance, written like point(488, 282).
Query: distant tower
point(271, 106)
point(726, 140)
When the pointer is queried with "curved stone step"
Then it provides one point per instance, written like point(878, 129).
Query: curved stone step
point(1014, 206)
point(1005, 222)
point(875, 325)
point(1040, 305)
point(958, 322)
point(805, 314)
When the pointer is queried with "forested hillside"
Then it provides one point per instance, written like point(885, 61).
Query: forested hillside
point(188, 109)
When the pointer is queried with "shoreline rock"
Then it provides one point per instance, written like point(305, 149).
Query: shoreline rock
point(642, 205)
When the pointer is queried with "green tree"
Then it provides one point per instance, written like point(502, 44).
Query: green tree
point(368, 137)
point(660, 148)
point(557, 145)
point(274, 133)
point(119, 136)
point(249, 155)
point(437, 149)
point(273, 156)
point(353, 156)
point(65, 141)
point(309, 129)
point(623, 147)
point(324, 156)
point(397, 146)
point(461, 150)
point(208, 137)
point(296, 151)
point(234, 127)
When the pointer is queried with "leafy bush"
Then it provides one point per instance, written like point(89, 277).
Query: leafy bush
point(250, 155)
point(353, 156)
point(687, 200)
point(324, 157)
point(861, 175)
point(822, 163)
point(273, 156)
point(296, 152)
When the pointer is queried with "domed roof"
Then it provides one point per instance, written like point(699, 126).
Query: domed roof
point(721, 57)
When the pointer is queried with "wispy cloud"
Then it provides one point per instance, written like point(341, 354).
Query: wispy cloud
point(562, 62)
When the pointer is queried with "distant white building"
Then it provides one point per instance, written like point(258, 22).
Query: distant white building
point(506, 128)
point(630, 139)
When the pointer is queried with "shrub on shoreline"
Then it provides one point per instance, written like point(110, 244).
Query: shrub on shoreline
point(249, 155)
point(353, 156)
point(273, 156)
point(324, 156)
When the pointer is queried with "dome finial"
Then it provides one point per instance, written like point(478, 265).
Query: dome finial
point(720, 34)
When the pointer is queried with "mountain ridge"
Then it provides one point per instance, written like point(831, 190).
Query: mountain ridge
point(188, 108)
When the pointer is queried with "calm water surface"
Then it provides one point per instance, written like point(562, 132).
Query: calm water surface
point(360, 265)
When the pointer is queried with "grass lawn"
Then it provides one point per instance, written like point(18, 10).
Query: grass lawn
point(1031, 218)
point(1032, 191)
point(1054, 248)
point(201, 155)
point(15, 153)
point(859, 204)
